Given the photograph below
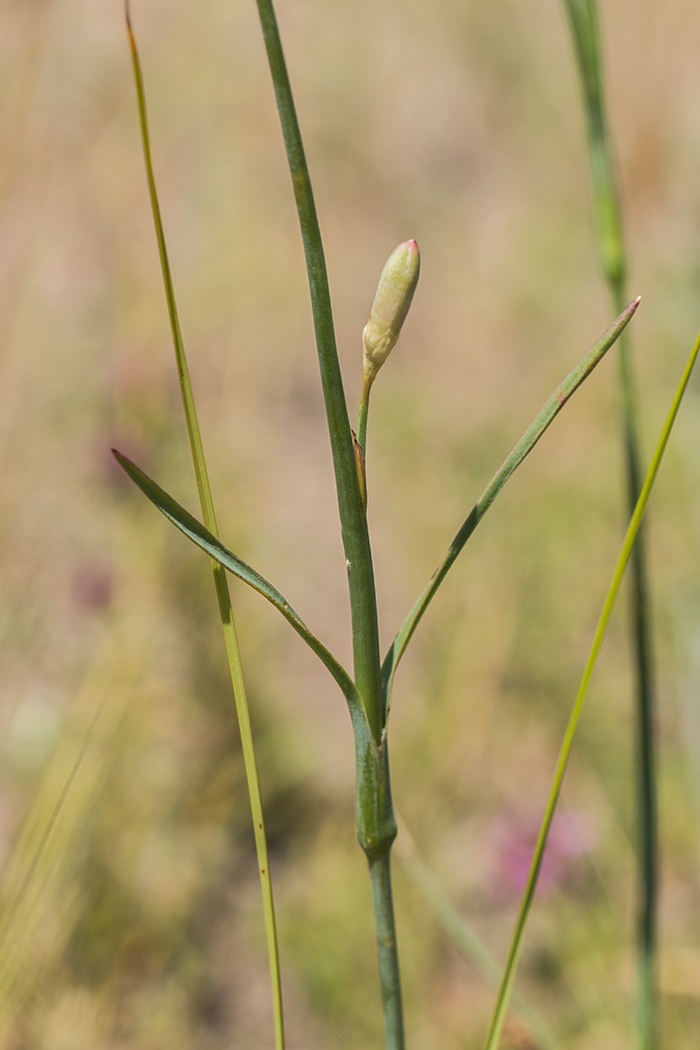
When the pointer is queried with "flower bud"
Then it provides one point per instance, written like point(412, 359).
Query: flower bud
point(394, 294)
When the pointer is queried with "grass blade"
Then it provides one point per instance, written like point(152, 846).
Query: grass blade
point(506, 987)
point(527, 442)
point(462, 935)
point(37, 914)
point(220, 580)
point(583, 19)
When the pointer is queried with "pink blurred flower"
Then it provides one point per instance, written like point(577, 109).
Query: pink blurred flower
point(512, 838)
point(92, 586)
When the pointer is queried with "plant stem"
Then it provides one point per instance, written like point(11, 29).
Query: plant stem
point(363, 414)
point(463, 936)
point(220, 580)
point(380, 874)
point(647, 806)
point(251, 769)
point(611, 250)
point(376, 827)
point(353, 523)
point(628, 546)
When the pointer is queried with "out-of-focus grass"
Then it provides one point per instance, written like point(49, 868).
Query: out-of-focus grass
point(459, 125)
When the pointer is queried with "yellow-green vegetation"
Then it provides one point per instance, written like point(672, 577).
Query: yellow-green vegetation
point(129, 905)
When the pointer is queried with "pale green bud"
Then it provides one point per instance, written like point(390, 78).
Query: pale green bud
point(394, 294)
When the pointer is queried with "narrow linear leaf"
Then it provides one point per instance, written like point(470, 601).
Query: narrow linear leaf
point(206, 500)
point(583, 19)
point(494, 1033)
point(527, 442)
point(201, 537)
point(584, 22)
point(191, 420)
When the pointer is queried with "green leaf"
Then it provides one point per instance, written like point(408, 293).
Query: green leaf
point(220, 579)
point(462, 935)
point(203, 538)
point(506, 988)
point(583, 18)
point(527, 442)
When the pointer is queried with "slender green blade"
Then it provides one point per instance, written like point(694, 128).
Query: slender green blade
point(527, 442)
point(202, 538)
point(36, 913)
point(494, 1033)
point(193, 430)
point(583, 19)
point(463, 935)
point(220, 580)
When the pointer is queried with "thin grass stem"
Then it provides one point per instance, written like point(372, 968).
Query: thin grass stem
point(583, 19)
point(646, 789)
point(463, 935)
point(505, 990)
point(220, 580)
point(10, 909)
point(35, 912)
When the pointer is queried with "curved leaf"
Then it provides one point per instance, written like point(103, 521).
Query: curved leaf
point(509, 972)
point(527, 442)
point(195, 531)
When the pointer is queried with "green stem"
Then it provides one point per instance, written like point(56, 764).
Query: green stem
point(220, 580)
point(463, 936)
point(358, 555)
point(251, 769)
point(376, 827)
point(362, 415)
point(647, 804)
point(631, 535)
point(583, 18)
point(380, 874)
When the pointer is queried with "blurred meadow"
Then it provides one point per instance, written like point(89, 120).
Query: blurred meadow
point(460, 125)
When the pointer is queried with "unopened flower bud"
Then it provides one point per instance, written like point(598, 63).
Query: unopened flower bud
point(394, 294)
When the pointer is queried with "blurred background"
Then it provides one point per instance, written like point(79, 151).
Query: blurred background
point(131, 912)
